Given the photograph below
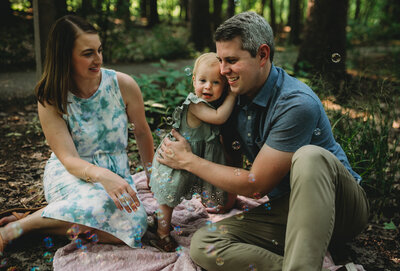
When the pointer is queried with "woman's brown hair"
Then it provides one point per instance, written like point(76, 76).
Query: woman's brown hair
point(56, 79)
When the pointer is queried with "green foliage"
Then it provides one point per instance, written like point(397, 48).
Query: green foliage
point(163, 91)
point(139, 44)
point(368, 140)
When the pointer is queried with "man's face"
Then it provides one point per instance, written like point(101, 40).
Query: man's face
point(243, 71)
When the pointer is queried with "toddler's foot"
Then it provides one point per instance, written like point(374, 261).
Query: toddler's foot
point(164, 244)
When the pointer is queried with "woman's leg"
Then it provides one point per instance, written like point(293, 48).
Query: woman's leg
point(35, 222)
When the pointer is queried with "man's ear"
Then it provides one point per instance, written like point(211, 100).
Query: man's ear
point(263, 52)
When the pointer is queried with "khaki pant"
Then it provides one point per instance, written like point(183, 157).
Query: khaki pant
point(325, 207)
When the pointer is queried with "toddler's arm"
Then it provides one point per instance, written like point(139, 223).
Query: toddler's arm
point(214, 116)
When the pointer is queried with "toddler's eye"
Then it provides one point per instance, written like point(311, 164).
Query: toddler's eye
point(216, 82)
point(202, 80)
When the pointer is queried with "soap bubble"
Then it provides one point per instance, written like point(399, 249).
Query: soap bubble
point(188, 71)
point(235, 145)
point(336, 58)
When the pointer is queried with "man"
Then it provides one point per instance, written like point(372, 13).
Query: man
point(315, 198)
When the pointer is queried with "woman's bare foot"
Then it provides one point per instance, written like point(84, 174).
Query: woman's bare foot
point(8, 219)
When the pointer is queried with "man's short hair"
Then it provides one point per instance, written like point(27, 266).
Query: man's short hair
point(252, 29)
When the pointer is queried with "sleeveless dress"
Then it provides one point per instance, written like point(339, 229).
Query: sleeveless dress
point(98, 126)
point(171, 186)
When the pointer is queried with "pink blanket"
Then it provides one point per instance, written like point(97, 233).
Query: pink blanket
point(189, 215)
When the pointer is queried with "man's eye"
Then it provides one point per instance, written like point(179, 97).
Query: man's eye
point(231, 61)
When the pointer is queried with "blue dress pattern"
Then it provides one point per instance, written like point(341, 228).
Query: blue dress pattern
point(99, 129)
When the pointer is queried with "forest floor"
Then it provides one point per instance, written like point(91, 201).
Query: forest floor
point(24, 152)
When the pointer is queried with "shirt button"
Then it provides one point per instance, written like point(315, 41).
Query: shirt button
point(248, 134)
point(249, 117)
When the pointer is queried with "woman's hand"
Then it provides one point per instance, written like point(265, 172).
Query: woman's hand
point(118, 188)
point(174, 154)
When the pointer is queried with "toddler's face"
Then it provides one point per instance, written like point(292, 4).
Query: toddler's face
point(208, 82)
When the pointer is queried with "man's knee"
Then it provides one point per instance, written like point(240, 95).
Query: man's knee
point(197, 247)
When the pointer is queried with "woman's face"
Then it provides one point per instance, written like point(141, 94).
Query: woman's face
point(87, 57)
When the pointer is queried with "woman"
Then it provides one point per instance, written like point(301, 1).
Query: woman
point(84, 112)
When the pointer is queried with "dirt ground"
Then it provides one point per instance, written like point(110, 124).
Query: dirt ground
point(24, 152)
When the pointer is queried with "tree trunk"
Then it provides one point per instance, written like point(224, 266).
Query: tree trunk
point(217, 15)
point(6, 14)
point(143, 8)
point(231, 9)
point(357, 10)
point(294, 22)
point(86, 8)
point(262, 8)
point(272, 16)
point(184, 9)
point(324, 45)
point(123, 11)
point(200, 24)
point(153, 18)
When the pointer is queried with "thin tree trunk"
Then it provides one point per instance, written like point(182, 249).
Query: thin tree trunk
point(272, 19)
point(217, 15)
point(200, 24)
point(294, 22)
point(231, 9)
point(262, 7)
point(357, 10)
point(153, 18)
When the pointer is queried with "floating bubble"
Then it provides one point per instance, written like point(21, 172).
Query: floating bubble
point(205, 195)
point(275, 242)
point(223, 229)
point(336, 58)
point(245, 208)
point(179, 250)
point(251, 178)
point(219, 261)
point(48, 257)
point(257, 195)
point(169, 121)
point(131, 127)
point(239, 216)
point(159, 132)
point(78, 243)
point(267, 206)
point(236, 2)
point(94, 238)
point(188, 71)
point(317, 132)
point(13, 268)
point(159, 214)
point(196, 196)
point(211, 226)
point(186, 136)
point(236, 171)
point(72, 233)
point(3, 263)
point(235, 145)
point(48, 242)
point(163, 223)
point(210, 250)
point(178, 230)
point(15, 231)
point(138, 169)
point(101, 217)
point(252, 267)
point(149, 167)
point(170, 198)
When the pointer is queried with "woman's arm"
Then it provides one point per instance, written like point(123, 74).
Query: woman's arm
point(135, 110)
point(214, 116)
point(60, 142)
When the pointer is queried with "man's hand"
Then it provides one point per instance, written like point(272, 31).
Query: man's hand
point(175, 154)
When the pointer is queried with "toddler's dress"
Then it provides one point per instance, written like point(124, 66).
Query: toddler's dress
point(98, 126)
point(171, 186)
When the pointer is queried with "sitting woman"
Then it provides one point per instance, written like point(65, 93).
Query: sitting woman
point(84, 112)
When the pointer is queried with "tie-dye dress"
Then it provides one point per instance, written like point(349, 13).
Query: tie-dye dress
point(98, 126)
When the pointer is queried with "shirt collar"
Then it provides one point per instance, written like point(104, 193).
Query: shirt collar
point(264, 94)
